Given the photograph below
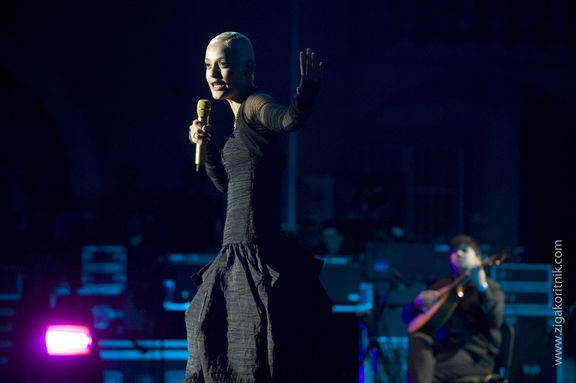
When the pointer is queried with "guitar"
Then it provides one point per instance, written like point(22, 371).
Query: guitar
point(448, 297)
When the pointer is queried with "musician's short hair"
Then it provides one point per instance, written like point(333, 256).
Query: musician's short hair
point(466, 240)
point(240, 42)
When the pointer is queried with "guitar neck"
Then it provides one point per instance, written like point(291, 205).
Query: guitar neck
point(446, 289)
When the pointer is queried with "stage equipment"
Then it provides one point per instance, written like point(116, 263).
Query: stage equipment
point(179, 289)
point(68, 340)
point(529, 301)
point(344, 282)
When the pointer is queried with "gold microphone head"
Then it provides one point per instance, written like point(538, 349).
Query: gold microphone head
point(203, 109)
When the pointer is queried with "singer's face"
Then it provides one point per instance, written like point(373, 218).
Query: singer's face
point(226, 73)
point(463, 257)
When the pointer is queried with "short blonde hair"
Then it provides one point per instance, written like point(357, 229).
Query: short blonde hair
point(238, 41)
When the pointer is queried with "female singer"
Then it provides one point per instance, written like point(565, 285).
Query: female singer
point(260, 313)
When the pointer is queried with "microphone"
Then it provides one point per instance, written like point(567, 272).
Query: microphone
point(203, 110)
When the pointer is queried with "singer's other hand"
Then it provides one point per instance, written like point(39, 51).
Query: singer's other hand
point(198, 132)
point(310, 69)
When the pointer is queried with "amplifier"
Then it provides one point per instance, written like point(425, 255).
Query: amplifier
point(533, 356)
point(143, 360)
point(103, 271)
point(527, 288)
point(523, 272)
point(343, 280)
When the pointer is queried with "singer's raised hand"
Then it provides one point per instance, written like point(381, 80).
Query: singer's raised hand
point(310, 69)
point(198, 132)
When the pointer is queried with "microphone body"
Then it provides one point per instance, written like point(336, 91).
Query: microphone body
point(203, 110)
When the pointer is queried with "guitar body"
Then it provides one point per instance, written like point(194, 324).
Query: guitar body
point(432, 319)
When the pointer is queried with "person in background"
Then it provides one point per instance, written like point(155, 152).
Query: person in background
point(467, 343)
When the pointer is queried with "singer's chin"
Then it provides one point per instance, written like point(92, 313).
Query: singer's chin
point(218, 95)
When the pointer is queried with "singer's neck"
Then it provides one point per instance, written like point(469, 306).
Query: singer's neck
point(237, 102)
point(235, 106)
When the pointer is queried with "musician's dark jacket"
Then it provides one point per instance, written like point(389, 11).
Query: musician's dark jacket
point(474, 325)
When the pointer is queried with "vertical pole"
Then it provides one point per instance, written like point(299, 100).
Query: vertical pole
point(291, 224)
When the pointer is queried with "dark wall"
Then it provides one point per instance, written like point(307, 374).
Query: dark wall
point(435, 117)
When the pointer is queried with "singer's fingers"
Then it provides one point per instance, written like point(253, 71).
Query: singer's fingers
point(198, 133)
point(310, 66)
point(195, 132)
point(314, 66)
point(308, 62)
point(317, 68)
point(305, 63)
point(192, 133)
point(195, 138)
point(192, 137)
point(205, 131)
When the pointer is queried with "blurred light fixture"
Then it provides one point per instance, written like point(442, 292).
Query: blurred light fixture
point(68, 340)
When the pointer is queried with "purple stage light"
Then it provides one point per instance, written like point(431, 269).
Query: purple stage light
point(68, 340)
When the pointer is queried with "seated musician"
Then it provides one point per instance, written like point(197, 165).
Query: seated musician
point(466, 343)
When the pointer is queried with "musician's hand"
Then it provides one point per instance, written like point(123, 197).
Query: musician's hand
point(197, 132)
point(426, 299)
point(478, 276)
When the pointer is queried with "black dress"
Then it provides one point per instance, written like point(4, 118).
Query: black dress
point(260, 313)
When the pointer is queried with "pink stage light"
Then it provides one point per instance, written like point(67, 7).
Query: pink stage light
point(68, 340)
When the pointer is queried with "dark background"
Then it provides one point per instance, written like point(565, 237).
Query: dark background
point(436, 117)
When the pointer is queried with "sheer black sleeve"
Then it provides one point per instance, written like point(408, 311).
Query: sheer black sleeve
point(214, 168)
point(263, 112)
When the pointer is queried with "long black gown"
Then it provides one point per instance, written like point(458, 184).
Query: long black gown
point(260, 313)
